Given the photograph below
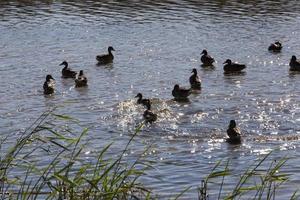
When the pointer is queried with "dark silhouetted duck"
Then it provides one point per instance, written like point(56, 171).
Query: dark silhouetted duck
point(49, 85)
point(141, 100)
point(81, 80)
point(294, 64)
point(232, 67)
point(275, 47)
point(180, 93)
point(233, 133)
point(149, 116)
point(66, 71)
point(206, 59)
point(106, 58)
point(195, 81)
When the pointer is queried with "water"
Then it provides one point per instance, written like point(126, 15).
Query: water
point(157, 45)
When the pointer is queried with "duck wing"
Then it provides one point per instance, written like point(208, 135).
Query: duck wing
point(207, 59)
point(149, 116)
point(195, 82)
point(295, 66)
point(68, 73)
point(48, 87)
point(105, 58)
point(234, 67)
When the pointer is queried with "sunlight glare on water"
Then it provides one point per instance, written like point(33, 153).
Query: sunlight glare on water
point(157, 44)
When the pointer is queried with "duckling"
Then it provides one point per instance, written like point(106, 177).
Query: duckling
point(195, 81)
point(81, 80)
point(141, 100)
point(49, 85)
point(67, 72)
point(294, 64)
point(206, 59)
point(106, 58)
point(180, 93)
point(233, 67)
point(233, 133)
point(149, 116)
point(275, 47)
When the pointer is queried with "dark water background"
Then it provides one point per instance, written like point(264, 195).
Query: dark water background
point(157, 44)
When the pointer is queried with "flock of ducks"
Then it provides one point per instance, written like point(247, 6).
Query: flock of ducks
point(179, 94)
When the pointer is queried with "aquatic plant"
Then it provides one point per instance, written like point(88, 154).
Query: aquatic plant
point(257, 181)
point(48, 162)
point(66, 175)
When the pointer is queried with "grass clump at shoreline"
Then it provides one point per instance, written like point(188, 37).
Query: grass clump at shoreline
point(47, 162)
point(65, 175)
point(257, 182)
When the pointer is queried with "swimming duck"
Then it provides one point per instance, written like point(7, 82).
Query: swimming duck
point(141, 100)
point(233, 133)
point(233, 67)
point(149, 116)
point(81, 80)
point(106, 58)
point(66, 71)
point(275, 47)
point(294, 64)
point(49, 85)
point(180, 93)
point(206, 59)
point(195, 81)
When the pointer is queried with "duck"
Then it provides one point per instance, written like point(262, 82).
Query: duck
point(180, 93)
point(294, 64)
point(232, 67)
point(49, 85)
point(66, 71)
point(81, 80)
point(148, 115)
point(275, 47)
point(195, 81)
point(233, 133)
point(141, 100)
point(106, 58)
point(206, 59)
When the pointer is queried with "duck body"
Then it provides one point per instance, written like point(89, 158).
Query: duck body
point(206, 59)
point(81, 80)
point(142, 101)
point(275, 47)
point(233, 133)
point(106, 58)
point(49, 85)
point(180, 93)
point(232, 67)
point(294, 64)
point(148, 115)
point(195, 81)
point(66, 71)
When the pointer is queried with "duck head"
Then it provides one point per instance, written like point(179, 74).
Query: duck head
point(139, 95)
point(80, 72)
point(194, 71)
point(293, 59)
point(110, 48)
point(232, 124)
point(65, 63)
point(204, 52)
point(176, 87)
point(49, 77)
point(228, 61)
point(278, 43)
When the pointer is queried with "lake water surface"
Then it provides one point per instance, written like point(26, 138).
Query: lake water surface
point(157, 44)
